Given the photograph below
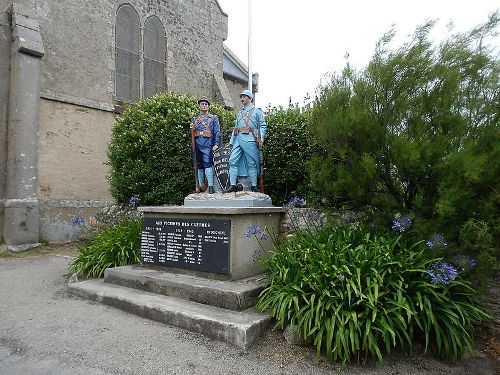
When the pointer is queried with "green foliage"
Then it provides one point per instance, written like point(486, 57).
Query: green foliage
point(117, 245)
point(476, 240)
point(416, 132)
point(149, 152)
point(356, 294)
point(288, 149)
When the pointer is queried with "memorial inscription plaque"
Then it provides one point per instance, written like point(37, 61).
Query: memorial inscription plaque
point(197, 244)
point(221, 166)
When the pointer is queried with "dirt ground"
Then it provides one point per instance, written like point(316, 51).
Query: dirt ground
point(270, 354)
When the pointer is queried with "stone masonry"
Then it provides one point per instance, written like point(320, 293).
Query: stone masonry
point(57, 101)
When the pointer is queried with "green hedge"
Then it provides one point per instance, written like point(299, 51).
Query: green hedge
point(149, 153)
point(288, 149)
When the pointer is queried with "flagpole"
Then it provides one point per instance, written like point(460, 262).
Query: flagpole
point(250, 46)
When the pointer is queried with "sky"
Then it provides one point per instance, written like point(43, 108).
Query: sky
point(295, 43)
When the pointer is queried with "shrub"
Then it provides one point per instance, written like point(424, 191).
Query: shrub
point(477, 241)
point(357, 293)
point(149, 153)
point(117, 245)
point(416, 132)
point(288, 149)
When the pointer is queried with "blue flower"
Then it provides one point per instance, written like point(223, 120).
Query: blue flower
point(464, 262)
point(263, 237)
point(134, 201)
point(256, 230)
point(77, 221)
point(256, 254)
point(294, 202)
point(437, 241)
point(401, 223)
point(314, 217)
point(442, 272)
point(341, 276)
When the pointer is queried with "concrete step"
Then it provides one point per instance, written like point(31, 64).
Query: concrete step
point(234, 295)
point(239, 328)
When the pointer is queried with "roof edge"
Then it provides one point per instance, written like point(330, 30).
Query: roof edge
point(232, 56)
point(222, 10)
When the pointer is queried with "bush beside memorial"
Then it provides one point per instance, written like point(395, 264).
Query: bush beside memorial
point(357, 294)
point(288, 148)
point(417, 132)
point(149, 153)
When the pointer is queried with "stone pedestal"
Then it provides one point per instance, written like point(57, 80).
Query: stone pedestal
point(242, 250)
point(200, 235)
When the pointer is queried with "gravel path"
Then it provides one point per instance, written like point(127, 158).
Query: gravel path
point(43, 330)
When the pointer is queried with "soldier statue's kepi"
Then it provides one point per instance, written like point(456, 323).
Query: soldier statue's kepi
point(205, 138)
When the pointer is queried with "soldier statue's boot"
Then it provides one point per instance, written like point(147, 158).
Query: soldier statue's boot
point(255, 189)
point(211, 190)
point(232, 189)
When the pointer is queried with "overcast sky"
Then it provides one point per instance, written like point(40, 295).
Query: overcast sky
point(296, 42)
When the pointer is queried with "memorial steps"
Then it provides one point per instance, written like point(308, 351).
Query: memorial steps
point(222, 310)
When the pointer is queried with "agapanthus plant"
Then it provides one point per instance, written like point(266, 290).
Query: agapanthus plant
point(294, 202)
point(401, 223)
point(77, 221)
point(464, 262)
point(442, 273)
point(134, 201)
point(436, 242)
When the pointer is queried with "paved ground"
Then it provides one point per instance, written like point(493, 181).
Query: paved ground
point(45, 331)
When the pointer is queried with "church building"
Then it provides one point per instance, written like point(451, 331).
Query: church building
point(66, 70)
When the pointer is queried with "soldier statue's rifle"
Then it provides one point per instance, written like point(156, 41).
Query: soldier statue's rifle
point(195, 164)
point(261, 177)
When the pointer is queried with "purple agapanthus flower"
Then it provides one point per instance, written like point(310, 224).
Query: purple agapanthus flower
point(77, 221)
point(314, 217)
point(464, 262)
point(442, 272)
point(256, 230)
point(294, 202)
point(401, 223)
point(256, 254)
point(437, 241)
point(134, 201)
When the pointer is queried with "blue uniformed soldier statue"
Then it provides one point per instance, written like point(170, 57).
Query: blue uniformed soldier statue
point(247, 137)
point(205, 130)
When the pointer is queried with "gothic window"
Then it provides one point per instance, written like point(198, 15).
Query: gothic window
point(154, 57)
point(128, 41)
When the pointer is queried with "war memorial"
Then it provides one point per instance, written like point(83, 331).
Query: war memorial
point(198, 270)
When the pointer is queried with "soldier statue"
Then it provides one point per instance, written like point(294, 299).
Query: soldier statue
point(246, 140)
point(205, 139)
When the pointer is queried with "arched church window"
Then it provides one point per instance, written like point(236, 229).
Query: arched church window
point(154, 57)
point(127, 49)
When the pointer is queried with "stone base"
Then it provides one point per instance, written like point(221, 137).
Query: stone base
point(238, 199)
point(242, 262)
point(222, 310)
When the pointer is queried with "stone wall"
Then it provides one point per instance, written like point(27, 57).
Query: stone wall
point(77, 92)
point(78, 36)
point(71, 156)
point(235, 88)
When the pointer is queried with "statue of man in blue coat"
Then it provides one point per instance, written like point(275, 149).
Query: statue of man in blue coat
point(206, 131)
point(246, 140)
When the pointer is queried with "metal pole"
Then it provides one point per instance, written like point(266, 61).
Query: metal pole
point(250, 46)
